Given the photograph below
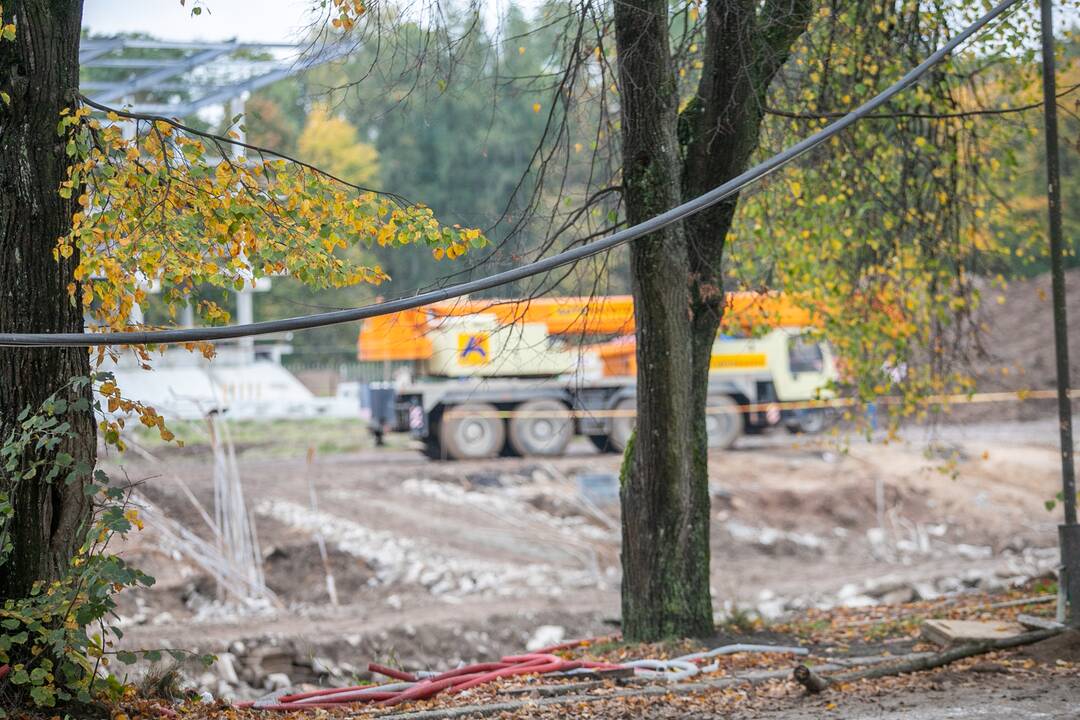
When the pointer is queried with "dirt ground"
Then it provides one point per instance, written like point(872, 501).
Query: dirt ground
point(441, 563)
point(1016, 350)
point(436, 564)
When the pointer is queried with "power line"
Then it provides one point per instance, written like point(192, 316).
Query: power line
point(676, 214)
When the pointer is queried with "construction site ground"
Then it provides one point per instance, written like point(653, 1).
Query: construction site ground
point(1039, 680)
point(441, 563)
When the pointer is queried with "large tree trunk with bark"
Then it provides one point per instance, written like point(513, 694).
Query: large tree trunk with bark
point(39, 70)
point(665, 501)
point(678, 284)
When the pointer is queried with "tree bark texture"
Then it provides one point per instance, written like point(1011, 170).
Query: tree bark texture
point(39, 70)
point(665, 503)
point(678, 286)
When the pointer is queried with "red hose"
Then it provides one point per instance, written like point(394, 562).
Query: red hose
point(323, 691)
point(559, 666)
point(571, 644)
point(469, 669)
point(421, 691)
point(458, 680)
point(391, 672)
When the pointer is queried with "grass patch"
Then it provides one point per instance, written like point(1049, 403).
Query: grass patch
point(272, 438)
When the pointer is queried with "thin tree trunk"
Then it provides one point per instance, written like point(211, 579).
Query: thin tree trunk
point(664, 494)
point(39, 70)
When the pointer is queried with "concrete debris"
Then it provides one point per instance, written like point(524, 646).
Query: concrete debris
point(546, 635)
point(399, 560)
point(951, 632)
point(277, 681)
point(226, 668)
point(1031, 622)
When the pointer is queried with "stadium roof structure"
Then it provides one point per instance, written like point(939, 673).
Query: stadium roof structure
point(180, 78)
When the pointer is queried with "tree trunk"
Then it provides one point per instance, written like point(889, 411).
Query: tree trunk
point(664, 494)
point(39, 70)
point(677, 284)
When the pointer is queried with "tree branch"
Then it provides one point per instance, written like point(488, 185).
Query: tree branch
point(781, 22)
point(238, 143)
point(815, 683)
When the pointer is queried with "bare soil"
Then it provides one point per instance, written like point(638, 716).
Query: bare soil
point(416, 546)
point(1017, 347)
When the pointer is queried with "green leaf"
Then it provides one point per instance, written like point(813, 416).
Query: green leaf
point(126, 657)
point(43, 696)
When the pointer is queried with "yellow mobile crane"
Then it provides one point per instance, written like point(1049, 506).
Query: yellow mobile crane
point(490, 377)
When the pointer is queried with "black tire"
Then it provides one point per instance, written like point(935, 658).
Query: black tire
point(466, 436)
point(432, 447)
point(622, 426)
point(810, 422)
point(601, 443)
point(723, 421)
point(545, 436)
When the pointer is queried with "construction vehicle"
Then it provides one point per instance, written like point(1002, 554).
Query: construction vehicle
point(521, 377)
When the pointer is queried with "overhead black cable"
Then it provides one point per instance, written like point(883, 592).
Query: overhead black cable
point(676, 214)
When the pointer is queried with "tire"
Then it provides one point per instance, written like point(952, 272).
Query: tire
point(723, 421)
point(601, 443)
point(433, 448)
point(810, 421)
point(541, 436)
point(468, 437)
point(622, 426)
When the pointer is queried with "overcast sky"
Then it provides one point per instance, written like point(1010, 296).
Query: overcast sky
point(248, 20)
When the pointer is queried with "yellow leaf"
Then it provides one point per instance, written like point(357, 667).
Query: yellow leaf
point(536, 107)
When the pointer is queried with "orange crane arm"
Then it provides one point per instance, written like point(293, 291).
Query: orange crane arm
point(402, 336)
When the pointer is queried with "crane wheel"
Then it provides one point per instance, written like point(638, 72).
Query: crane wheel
point(723, 421)
point(547, 434)
point(470, 431)
point(601, 443)
point(433, 448)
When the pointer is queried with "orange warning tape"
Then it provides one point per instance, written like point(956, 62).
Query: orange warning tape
point(990, 397)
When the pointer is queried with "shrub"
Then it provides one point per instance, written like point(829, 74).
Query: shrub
point(58, 641)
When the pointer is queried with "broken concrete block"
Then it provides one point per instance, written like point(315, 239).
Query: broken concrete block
point(952, 632)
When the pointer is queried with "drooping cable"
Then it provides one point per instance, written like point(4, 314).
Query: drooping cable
point(543, 265)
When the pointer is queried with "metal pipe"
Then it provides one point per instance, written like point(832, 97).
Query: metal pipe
point(1069, 532)
point(676, 214)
